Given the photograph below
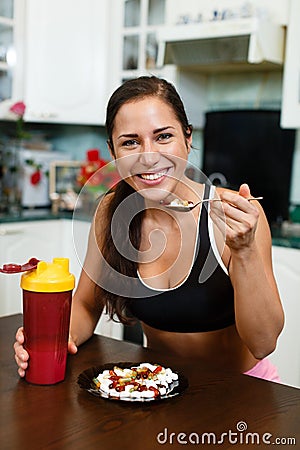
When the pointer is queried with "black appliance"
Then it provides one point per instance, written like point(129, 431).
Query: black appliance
point(249, 146)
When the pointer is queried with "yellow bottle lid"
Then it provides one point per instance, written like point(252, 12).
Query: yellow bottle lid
point(49, 277)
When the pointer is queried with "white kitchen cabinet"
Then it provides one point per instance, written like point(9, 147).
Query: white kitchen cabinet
point(286, 263)
point(67, 61)
point(135, 51)
point(11, 46)
point(290, 114)
point(45, 240)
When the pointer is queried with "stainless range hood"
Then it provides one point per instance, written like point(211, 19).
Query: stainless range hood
point(229, 44)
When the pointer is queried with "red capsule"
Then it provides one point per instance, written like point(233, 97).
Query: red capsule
point(158, 369)
point(142, 387)
point(120, 388)
point(156, 391)
point(114, 378)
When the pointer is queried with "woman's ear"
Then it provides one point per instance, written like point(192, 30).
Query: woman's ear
point(189, 141)
point(189, 138)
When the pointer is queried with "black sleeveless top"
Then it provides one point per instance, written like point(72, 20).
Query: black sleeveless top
point(203, 302)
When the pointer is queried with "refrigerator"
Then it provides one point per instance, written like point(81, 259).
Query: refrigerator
point(35, 188)
point(249, 146)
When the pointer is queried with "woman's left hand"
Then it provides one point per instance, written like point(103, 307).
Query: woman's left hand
point(236, 218)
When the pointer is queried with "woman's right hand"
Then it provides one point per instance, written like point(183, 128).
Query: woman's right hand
point(22, 356)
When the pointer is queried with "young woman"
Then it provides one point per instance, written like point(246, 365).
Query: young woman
point(201, 282)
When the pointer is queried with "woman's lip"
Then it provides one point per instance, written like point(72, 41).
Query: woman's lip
point(153, 177)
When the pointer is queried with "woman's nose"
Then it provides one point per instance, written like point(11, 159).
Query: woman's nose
point(149, 158)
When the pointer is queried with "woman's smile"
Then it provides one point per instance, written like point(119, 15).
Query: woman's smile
point(153, 177)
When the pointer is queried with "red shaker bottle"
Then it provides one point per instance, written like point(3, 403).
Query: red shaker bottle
point(47, 296)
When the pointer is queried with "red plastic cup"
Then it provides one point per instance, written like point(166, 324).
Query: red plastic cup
point(46, 328)
point(47, 298)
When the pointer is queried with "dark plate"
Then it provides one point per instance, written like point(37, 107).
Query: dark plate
point(85, 381)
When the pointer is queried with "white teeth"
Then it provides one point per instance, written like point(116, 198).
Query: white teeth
point(152, 176)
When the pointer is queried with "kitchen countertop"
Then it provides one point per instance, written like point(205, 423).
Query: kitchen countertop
point(282, 236)
point(27, 215)
point(286, 235)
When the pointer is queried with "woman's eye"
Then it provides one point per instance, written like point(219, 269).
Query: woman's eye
point(164, 136)
point(130, 143)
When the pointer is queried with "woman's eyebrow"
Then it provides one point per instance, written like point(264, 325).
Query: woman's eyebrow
point(129, 135)
point(159, 130)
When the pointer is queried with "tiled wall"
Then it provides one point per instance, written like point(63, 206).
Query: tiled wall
point(76, 140)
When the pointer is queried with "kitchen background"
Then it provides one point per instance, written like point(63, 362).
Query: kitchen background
point(63, 58)
point(64, 70)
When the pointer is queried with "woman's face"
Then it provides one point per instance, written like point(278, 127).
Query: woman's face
point(150, 148)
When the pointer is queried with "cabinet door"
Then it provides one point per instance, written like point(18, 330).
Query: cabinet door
point(290, 116)
point(11, 51)
point(286, 263)
point(66, 61)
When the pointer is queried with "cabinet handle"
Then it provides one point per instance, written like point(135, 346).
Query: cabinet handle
point(8, 231)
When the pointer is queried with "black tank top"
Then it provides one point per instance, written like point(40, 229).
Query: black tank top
point(203, 302)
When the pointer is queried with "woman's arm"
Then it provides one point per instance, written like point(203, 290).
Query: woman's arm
point(258, 310)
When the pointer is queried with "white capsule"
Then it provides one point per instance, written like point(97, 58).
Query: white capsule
point(128, 387)
point(148, 394)
point(105, 388)
point(114, 393)
point(124, 394)
point(162, 391)
point(136, 394)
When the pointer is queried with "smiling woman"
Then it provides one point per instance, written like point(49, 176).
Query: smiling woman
point(200, 282)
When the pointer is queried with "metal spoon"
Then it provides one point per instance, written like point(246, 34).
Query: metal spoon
point(186, 208)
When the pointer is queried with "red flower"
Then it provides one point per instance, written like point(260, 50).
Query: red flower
point(35, 177)
point(18, 108)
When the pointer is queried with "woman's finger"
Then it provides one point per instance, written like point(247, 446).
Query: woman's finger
point(20, 335)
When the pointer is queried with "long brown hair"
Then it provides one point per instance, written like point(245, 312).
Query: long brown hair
point(130, 234)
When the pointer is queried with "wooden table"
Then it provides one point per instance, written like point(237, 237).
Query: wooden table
point(63, 416)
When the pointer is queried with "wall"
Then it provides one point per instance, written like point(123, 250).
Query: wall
point(75, 139)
